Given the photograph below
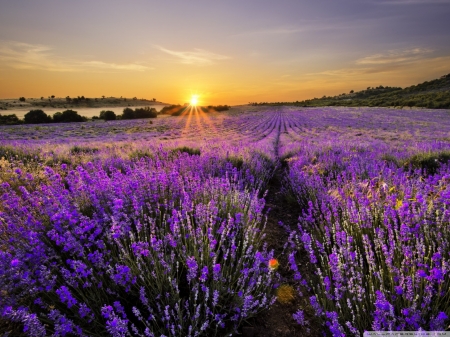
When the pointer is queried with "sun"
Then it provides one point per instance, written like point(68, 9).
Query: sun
point(194, 100)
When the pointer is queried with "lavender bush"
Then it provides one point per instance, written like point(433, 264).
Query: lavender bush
point(151, 248)
point(128, 228)
point(377, 240)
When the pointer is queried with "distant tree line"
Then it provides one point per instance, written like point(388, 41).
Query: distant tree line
point(9, 119)
point(174, 110)
point(138, 113)
point(69, 116)
point(40, 117)
point(218, 107)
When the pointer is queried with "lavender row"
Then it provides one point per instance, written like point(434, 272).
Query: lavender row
point(165, 245)
point(376, 236)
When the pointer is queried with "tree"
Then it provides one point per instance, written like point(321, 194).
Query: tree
point(9, 119)
point(128, 113)
point(37, 117)
point(68, 116)
point(145, 113)
point(107, 115)
point(352, 91)
point(68, 99)
point(22, 99)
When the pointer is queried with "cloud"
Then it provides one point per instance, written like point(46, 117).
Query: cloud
point(21, 55)
point(104, 65)
point(395, 56)
point(196, 57)
point(377, 66)
point(288, 30)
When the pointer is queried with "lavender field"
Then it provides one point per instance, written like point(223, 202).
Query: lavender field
point(138, 228)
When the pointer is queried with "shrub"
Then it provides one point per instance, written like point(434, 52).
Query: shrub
point(363, 233)
point(189, 150)
point(146, 112)
point(107, 115)
point(82, 150)
point(218, 107)
point(68, 116)
point(18, 154)
point(9, 119)
point(164, 255)
point(174, 110)
point(428, 162)
point(37, 117)
point(128, 113)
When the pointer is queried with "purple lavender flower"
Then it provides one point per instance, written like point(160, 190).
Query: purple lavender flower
point(438, 323)
point(204, 274)
point(216, 271)
point(66, 297)
point(299, 317)
point(192, 268)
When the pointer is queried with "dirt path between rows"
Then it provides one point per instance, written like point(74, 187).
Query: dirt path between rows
point(278, 321)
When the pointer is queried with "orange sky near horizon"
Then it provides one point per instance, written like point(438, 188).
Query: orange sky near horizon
point(229, 53)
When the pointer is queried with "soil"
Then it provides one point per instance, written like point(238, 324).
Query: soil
point(278, 321)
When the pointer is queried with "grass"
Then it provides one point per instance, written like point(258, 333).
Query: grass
point(83, 150)
point(189, 150)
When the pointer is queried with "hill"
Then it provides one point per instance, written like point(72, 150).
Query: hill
point(74, 102)
point(433, 94)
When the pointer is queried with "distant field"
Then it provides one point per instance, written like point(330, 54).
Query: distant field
point(161, 227)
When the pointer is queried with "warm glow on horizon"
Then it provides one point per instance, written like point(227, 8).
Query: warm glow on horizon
point(270, 55)
point(194, 100)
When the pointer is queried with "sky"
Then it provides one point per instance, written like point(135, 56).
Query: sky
point(225, 51)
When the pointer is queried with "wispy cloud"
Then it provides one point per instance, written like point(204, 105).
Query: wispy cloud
point(394, 63)
point(288, 30)
point(105, 65)
point(196, 57)
point(21, 55)
point(395, 56)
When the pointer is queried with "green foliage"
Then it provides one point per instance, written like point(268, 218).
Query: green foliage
point(68, 116)
point(218, 108)
point(37, 117)
point(139, 154)
point(18, 154)
point(391, 159)
point(237, 162)
point(83, 150)
point(428, 162)
point(9, 119)
point(137, 113)
point(189, 150)
point(107, 115)
point(174, 110)
point(433, 95)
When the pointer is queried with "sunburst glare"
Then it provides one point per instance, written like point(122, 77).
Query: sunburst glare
point(194, 100)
